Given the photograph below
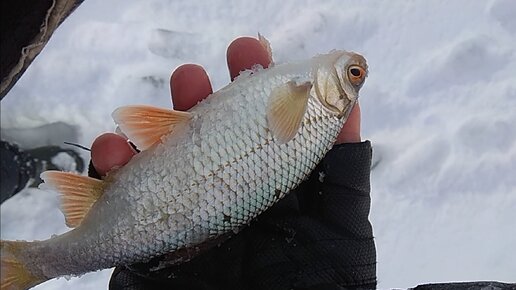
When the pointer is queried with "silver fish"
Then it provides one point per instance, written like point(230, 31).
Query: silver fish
point(201, 174)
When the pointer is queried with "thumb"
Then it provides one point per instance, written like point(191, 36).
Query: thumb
point(350, 132)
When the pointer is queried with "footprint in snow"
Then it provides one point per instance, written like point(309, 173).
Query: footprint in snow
point(314, 30)
point(174, 44)
point(503, 11)
point(469, 61)
point(481, 135)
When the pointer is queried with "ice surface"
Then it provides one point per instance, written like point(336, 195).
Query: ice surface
point(439, 107)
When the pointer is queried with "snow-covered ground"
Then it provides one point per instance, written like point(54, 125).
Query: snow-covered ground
point(439, 106)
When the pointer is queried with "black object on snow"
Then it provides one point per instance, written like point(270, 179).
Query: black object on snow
point(480, 285)
point(26, 26)
point(19, 168)
point(16, 169)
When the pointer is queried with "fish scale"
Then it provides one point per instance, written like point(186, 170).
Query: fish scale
point(213, 174)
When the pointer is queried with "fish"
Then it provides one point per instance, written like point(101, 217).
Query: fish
point(200, 174)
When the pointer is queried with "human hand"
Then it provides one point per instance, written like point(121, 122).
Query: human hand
point(190, 84)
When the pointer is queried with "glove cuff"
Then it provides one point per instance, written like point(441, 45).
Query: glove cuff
point(349, 165)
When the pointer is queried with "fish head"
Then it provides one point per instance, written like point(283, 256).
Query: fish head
point(338, 78)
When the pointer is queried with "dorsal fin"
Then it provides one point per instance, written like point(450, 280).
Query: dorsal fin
point(145, 125)
point(286, 109)
point(267, 45)
point(78, 193)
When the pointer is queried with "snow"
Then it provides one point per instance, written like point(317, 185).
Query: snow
point(438, 106)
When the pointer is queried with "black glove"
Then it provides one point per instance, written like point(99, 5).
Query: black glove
point(317, 237)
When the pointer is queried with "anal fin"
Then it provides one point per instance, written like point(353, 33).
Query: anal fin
point(267, 45)
point(78, 193)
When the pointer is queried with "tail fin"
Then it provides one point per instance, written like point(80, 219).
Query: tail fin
point(13, 272)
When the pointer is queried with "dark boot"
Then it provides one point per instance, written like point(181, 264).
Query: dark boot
point(21, 168)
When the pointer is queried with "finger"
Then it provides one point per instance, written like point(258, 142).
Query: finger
point(110, 150)
point(189, 84)
point(350, 132)
point(245, 52)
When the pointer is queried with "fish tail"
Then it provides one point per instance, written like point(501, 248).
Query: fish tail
point(14, 274)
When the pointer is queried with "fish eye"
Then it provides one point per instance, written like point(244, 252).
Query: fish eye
point(356, 74)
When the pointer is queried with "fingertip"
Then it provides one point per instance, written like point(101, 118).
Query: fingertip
point(350, 132)
point(245, 52)
point(189, 84)
point(110, 150)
